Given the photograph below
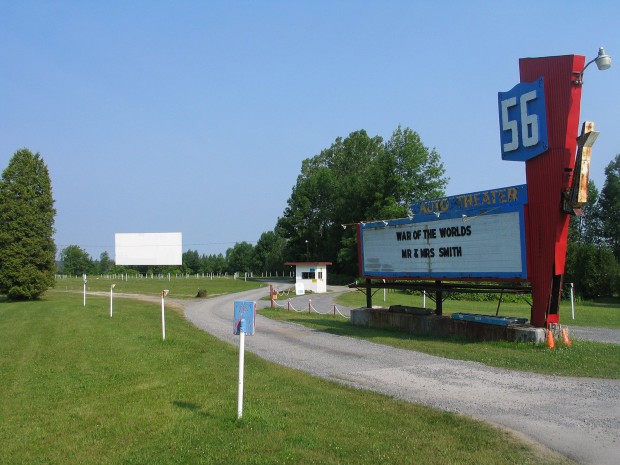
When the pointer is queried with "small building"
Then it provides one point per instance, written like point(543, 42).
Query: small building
point(310, 276)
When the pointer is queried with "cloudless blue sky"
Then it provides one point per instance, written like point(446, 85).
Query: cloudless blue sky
point(195, 116)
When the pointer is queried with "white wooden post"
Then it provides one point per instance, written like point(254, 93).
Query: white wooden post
point(111, 298)
point(164, 293)
point(241, 366)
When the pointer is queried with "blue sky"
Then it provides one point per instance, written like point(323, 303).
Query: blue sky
point(195, 116)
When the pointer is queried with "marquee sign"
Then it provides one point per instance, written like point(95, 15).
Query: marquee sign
point(477, 235)
point(523, 121)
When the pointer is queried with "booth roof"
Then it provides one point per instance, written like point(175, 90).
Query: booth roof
point(307, 263)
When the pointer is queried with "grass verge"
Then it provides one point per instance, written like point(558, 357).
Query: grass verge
point(180, 288)
point(80, 387)
point(582, 358)
point(602, 313)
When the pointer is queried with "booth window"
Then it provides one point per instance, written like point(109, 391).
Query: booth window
point(307, 275)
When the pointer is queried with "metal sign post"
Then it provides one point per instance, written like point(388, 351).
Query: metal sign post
point(84, 276)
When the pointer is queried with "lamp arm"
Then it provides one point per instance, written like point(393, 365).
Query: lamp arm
point(578, 80)
point(588, 64)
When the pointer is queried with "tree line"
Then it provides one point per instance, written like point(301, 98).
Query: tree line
point(362, 178)
point(358, 178)
point(593, 255)
point(75, 261)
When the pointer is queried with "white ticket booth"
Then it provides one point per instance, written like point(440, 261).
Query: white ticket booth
point(310, 276)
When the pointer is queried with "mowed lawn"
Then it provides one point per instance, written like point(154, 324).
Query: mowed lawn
point(79, 387)
point(182, 287)
point(581, 359)
point(600, 313)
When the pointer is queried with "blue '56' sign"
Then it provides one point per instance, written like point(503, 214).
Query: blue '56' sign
point(523, 121)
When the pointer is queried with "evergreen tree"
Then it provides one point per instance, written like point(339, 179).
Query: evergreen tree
point(105, 263)
point(27, 249)
point(191, 262)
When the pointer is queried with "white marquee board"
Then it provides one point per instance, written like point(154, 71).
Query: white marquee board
point(480, 235)
point(148, 248)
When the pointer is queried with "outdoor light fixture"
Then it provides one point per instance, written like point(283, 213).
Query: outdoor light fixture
point(603, 62)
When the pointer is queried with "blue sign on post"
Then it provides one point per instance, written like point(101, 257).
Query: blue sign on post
point(523, 121)
point(245, 317)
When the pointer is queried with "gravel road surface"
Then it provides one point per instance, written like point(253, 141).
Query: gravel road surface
point(577, 417)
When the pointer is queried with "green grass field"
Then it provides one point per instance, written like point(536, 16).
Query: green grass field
point(180, 288)
point(581, 359)
point(81, 387)
point(604, 313)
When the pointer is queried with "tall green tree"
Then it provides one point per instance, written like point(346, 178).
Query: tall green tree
point(27, 249)
point(590, 262)
point(587, 229)
point(359, 178)
point(191, 262)
point(105, 263)
point(418, 172)
point(214, 263)
point(592, 269)
point(610, 206)
point(240, 258)
point(269, 252)
point(75, 261)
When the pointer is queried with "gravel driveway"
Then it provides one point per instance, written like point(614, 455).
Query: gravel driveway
point(578, 417)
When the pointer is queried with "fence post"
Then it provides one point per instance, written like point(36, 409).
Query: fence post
point(271, 295)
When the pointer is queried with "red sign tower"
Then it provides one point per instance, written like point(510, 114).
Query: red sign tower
point(549, 177)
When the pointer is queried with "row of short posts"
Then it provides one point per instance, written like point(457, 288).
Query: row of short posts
point(272, 297)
